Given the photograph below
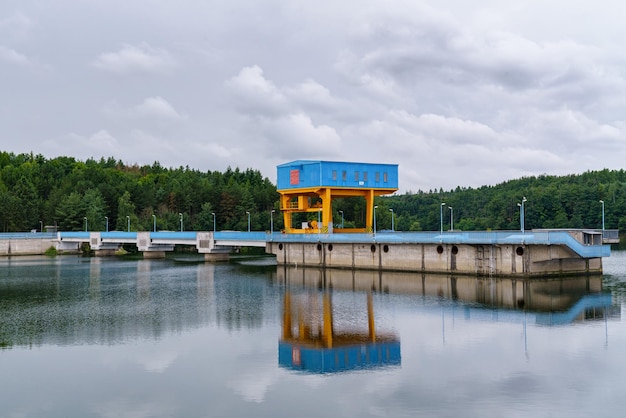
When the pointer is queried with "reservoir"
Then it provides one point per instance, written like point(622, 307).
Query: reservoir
point(178, 337)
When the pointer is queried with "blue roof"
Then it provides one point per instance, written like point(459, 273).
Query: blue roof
point(311, 173)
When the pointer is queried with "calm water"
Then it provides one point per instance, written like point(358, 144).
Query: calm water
point(95, 337)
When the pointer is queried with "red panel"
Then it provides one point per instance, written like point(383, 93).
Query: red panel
point(294, 177)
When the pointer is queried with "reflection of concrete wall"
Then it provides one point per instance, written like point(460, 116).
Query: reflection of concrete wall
point(531, 294)
point(509, 259)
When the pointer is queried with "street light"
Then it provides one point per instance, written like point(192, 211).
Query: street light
point(213, 213)
point(341, 218)
point(392, 226)
point(602, 201)
point(441, 217)
point(41, 226)
point(451, 218)
point(106, 221)
point(248, 213)
point(375, 207)
point(128, 221)
point(154, 222)
point(272, 222)
point(181, 221)
point(85, 219)
point(521, 213)
point(319, 221)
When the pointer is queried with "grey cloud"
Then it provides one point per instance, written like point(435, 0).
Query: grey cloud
point(135, 59)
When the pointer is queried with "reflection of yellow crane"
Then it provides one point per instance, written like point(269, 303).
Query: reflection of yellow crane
point(309, 340)
point(311, 186)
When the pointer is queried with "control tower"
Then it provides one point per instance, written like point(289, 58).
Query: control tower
point(307, 186)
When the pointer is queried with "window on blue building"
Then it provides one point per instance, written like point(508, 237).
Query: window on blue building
point(334, 175)
point(356, 176)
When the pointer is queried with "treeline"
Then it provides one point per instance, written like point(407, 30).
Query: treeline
point(74, 195)
point(572, 201)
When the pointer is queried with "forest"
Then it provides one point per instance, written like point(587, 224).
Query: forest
point(72, 195)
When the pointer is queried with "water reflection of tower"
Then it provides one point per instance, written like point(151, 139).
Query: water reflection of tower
point(311, 342)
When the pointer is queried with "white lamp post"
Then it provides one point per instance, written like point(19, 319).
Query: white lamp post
point(106, 220)
point(521, 214)
point(441, 217)
point(181, 221)
point(451, 218)
point(392, 225)
point(375, 207)
point(128, 221)
point(85, 219)
point(272, 222)
point(154, 222)
point(341, 218)
point(248, 213)
point(213, 213)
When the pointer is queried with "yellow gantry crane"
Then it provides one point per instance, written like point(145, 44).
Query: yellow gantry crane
point(311, 186)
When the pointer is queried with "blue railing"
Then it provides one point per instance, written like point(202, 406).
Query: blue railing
point(28, 235)
point(389, 237)
point(470, 237)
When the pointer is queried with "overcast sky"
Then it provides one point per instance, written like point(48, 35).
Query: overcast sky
point(457, 93)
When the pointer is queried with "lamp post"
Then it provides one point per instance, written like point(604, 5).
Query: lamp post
point(375, 207)
point(213, 213)
point(248, 213)
point(319, 221)
point(451, 218)
point(441, 217)
point(602, 201)
point(128, 222)
point(272, 222)
point(181, 221)
point(521, 214)
point(341, 218)
point(41, 226)
point(154, 222)
point(85, 219)
point(392, 225)
point(106, 222)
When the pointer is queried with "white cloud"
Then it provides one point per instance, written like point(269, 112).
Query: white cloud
point(131, 59)
point(11, 56)
point(157, 107)
point(16, 26)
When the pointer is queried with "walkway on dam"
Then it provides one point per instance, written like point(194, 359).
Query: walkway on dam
point(591, 244)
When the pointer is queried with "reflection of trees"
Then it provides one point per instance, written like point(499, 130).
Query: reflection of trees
point(94, 301)
point(240, 302)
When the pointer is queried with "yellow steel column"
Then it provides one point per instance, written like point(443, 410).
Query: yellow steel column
point(370, 317)
point(284, 205)
point(369, 210)
point(327, 333)
point(287, 334)
point(327, 215)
